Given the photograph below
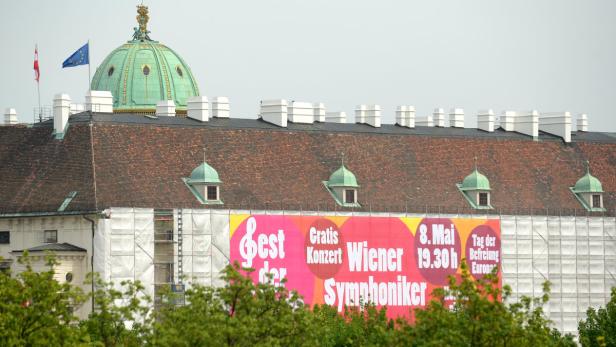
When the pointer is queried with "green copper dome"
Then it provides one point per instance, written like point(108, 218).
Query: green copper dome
point(475, 181)
point(588, 184)
point(142, 72)
point(342, 178)
point(204, 173)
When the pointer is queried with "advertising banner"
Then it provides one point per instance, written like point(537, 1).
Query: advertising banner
point(390, 261)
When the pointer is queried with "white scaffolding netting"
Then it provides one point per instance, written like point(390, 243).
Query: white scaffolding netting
point(205, 241)
point(574, 253)
point(124, 247)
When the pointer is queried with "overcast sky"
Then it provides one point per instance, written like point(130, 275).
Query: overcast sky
point(548, 55)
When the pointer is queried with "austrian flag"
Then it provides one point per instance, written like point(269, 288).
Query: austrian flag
point(37, 72)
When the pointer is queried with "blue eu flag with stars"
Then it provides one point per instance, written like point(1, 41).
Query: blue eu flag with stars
point(80, 57)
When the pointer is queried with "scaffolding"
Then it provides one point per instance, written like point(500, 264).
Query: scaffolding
point(577, 254)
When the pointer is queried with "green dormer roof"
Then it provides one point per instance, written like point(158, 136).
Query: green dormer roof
point(475, 181)
point(204, 173)
point(342, 177)
point(588, 184)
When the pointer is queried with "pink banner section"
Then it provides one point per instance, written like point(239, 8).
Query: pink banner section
point(346, 261)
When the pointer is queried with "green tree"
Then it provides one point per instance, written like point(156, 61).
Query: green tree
point(479, 315)
point(241, 313)
point(363, 325)
point(599, 328)
point(37, 310)
point(121, 316)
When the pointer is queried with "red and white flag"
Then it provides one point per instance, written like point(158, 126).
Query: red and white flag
point(37, 72)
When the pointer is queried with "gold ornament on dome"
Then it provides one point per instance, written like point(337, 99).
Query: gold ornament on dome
point(141, 32)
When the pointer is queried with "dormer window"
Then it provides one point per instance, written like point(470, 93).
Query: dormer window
point(476, 190)
point(596, 201)
point(483, 199)
point(589, 192)
point(204, 184)
point(349, 196)
point(342, 185)
point(212, 193)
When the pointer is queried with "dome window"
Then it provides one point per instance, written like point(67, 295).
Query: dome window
point(178, 69)
point(589, 192)
point(342, 185)
point(204, 184)
point(110, 71)
point(146, 70)
point(476, 190)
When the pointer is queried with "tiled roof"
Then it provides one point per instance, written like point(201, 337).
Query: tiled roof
point(55, 247)
point(140, 162)
point(37, 172)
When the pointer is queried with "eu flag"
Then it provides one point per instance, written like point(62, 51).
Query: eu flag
point(80, 57)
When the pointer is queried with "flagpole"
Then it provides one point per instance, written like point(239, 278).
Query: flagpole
point(38, 88)
point(89, 65)
point(40, 110)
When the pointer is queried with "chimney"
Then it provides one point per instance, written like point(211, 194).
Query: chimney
point(300, 112)
point(274, 111)
point(336, 117)
point(360, 114)
point(318, 109)
point(405, 116)
point(424, 121)
point(558, 124)
point(100, 101)
point(507, 120)
point(456, 118)
point(10, 116)
point(198, 108)
point(439, 117)
point(373, 115)
point(61, 112)
point(220, 107)
point(485, 120)
point(165, 108)
point(582, 122)
point(527, 123)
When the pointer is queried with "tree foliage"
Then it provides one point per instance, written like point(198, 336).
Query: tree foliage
point(37, 310)
point(477, 313)
point(114, 308)
point(241, 313)
point(599, 327)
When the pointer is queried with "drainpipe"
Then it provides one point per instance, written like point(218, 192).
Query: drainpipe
point(92, 256)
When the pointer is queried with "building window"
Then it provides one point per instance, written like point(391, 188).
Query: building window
point(179, 71)
point(349, 196)
point(50, 236)
point(5, 237)
point(212, 193)
point(483, 199)
point(146, 70)
point(110, 71)
point(596, 201)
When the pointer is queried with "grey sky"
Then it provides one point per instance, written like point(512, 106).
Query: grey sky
point(549, 55)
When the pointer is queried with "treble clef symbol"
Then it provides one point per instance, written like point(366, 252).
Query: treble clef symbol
point(248, 247)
